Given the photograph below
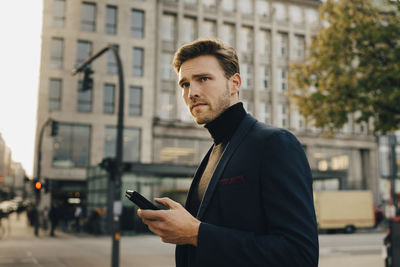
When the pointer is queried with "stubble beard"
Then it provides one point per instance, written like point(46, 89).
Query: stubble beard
point(222, 104)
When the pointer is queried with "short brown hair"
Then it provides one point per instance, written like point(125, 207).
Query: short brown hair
point(225, 54)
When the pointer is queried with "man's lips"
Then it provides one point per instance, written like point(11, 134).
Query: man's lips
point(198, 105)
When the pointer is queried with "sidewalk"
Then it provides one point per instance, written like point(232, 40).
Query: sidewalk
point(17, 227)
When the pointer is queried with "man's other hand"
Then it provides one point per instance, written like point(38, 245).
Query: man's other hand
point(175, 225)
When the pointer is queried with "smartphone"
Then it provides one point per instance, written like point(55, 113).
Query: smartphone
point(140, 200)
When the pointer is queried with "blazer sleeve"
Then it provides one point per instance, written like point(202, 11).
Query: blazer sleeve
point(291, 237)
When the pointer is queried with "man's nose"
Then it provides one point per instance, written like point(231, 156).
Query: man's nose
point(194, 91)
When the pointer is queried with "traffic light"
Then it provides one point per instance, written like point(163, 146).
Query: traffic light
point(87, 80)
point(54, 128)
point(108, 164)
point(37, 185)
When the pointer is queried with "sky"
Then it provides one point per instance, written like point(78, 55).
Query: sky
point(20, 31)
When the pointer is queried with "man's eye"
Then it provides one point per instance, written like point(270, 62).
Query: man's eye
point(203, 79)
point(184, 85)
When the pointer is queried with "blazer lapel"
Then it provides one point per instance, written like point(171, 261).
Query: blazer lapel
point(233, 144)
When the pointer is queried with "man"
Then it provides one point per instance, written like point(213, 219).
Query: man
point(250, 202)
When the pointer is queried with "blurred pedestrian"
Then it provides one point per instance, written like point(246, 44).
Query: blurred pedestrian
point(29, 214)
point(65, 216)
point(54, 218)
point(35, 219)
point(45, 218)
point(77, 216)
point(94, 221)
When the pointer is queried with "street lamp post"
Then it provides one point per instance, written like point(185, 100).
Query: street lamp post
point(117, 171)
point(393, 168)
point(38, 170)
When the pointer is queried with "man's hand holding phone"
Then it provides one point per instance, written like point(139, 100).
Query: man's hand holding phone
point(175, 225)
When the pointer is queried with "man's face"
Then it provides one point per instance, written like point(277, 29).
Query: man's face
point(205, 89)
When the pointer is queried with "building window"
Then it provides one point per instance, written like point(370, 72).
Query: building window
point(263, 77)
point(84, 99)
point(88, 17)
point(131, 143)
point(177, 151)
point(247, 106)
point(283, 44)
point(72, 146)
point(311, 16)
point(137, 67)
point(264, 112)
point(264, 42)
point(209, 3)
point(168, 27)
point(184, 113)
point(228, 34)
point(167, 72)
point(58, 13)
point(282, 80)
point(167, 105)
point(135, 101)
point(347, 128)
point(246, 6)
point(111, 19)
point(298, 119)
point(262, 8)
point(189, 30)
point(362, 128)
point(209, 28)
point(282, 115)
point(299, 47)
point(84, 50)
point(296, 14)
point(246, 40)
point(246, 75)
point(55, 94)
point(190, 2)
point(109, 98)
point(137, 23)
point(280, 11)
point(228, 5)
point(57, 51)
point(112, 67)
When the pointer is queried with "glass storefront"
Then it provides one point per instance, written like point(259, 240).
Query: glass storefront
point(151, 180)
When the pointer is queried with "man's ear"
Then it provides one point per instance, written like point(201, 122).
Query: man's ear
point(236, 82)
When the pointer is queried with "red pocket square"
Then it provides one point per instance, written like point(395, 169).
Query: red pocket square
point(231, 180)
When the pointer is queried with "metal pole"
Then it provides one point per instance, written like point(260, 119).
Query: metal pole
point(116, 173)
point(393, 168)
point(117, 205)
point(38, 169)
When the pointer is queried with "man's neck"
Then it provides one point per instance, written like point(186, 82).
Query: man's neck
point(224, 126)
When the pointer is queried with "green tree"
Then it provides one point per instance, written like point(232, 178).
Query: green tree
point(353, 67)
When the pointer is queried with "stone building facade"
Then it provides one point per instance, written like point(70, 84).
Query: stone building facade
point(268, 35)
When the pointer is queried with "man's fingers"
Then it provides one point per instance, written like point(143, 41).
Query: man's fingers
point(151, 214)
point(169, 203)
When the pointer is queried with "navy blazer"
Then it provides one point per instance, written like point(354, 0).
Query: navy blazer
point(258, 209)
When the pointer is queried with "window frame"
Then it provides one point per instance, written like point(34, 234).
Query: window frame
point(132, 107)
point(56, 101)
point(135, 29)
point(109, 104)
point(135, 65)
point(57, 61)
point(71, 136)
point(80, 103)
point(113, 26)
point(86, 24)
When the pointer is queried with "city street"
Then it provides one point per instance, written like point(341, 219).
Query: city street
point(20, 248)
